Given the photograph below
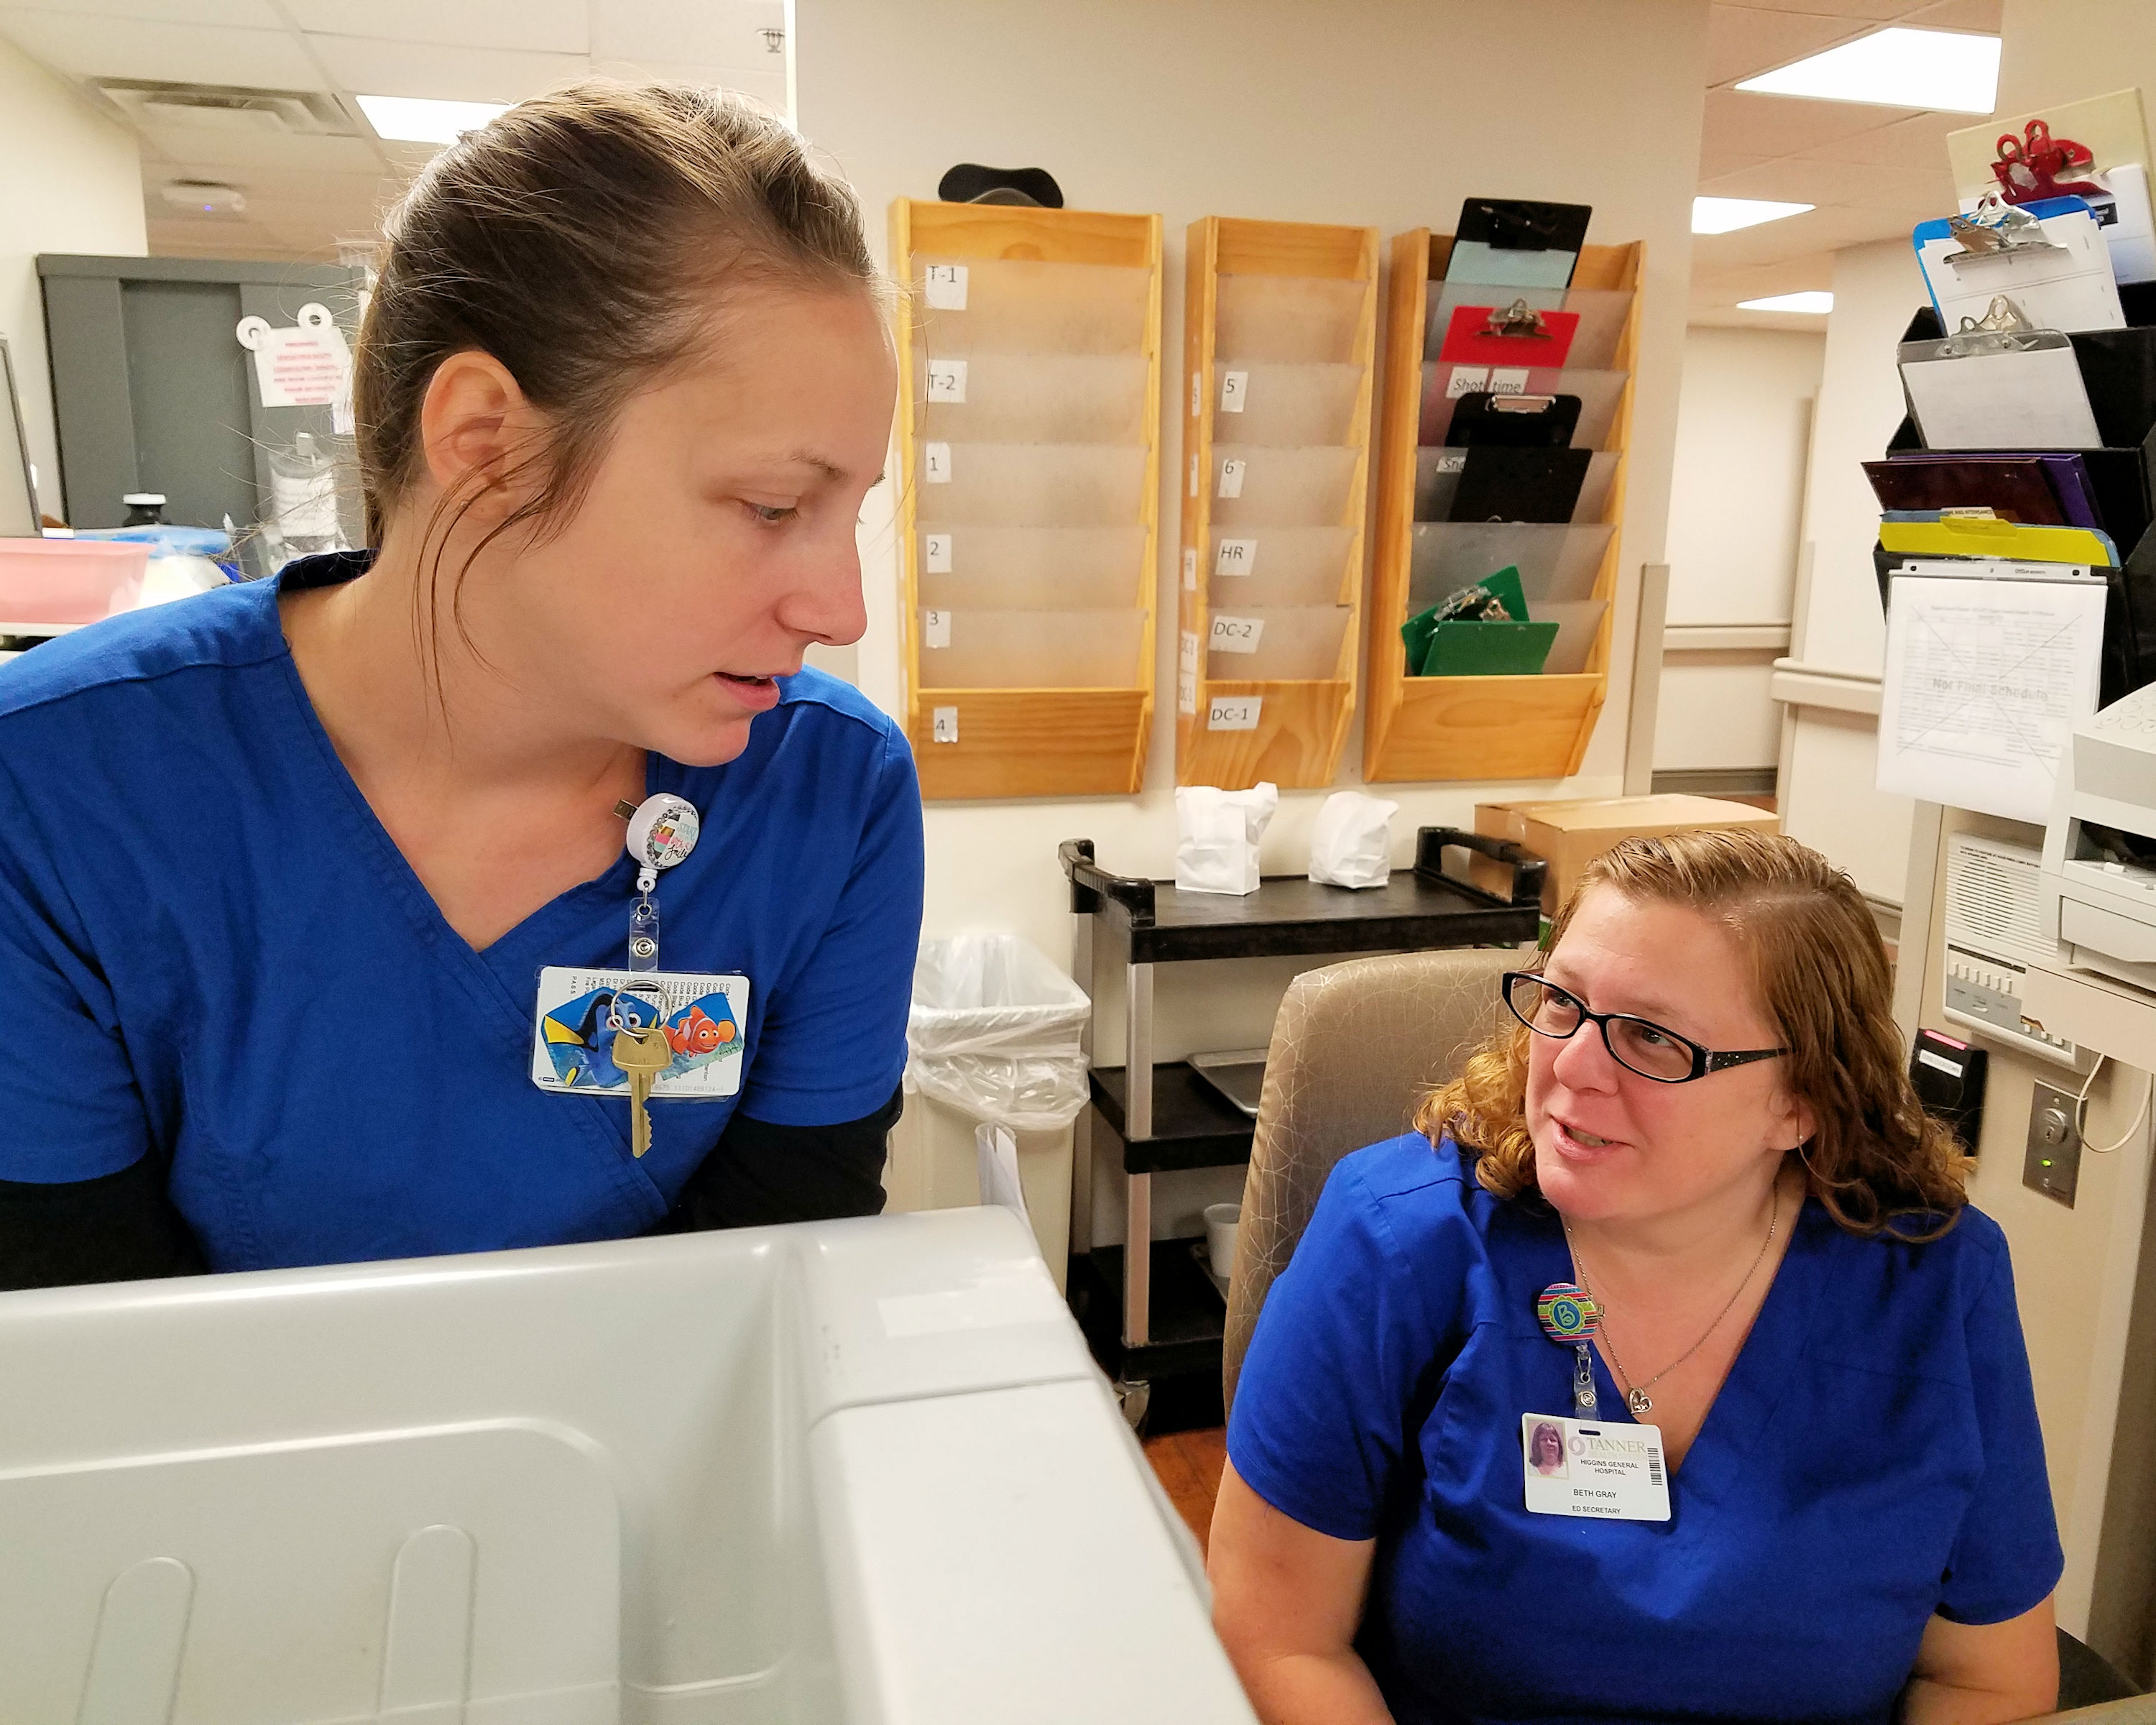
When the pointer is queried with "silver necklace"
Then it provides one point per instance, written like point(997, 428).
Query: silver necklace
point(1635, 1395)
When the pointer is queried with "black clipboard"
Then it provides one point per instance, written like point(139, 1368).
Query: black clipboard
point(1515, 224)
point(1513, 422)
point(1499, 483)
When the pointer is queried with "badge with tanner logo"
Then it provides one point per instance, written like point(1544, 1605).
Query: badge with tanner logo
point(1584, 1468)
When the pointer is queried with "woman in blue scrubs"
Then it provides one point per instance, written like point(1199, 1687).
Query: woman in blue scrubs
point(1810, 1485)
point(289, 871)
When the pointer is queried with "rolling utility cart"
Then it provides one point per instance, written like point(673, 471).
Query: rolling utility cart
point(1157, 1313)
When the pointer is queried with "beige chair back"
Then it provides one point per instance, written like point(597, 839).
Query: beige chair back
point(1355, 1048)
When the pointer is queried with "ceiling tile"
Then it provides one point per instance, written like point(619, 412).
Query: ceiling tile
point(265, 187)
point(1876, 10)
point(1986, 16)
point(1741, 120)
point(548, 26)
point(249, 14)
point(709, 33)
point(376, 67)
point(1729, 162)
point(1918, 141)
point(1743, 41)
point(230, 152)
point(87, 45)
point(1787, 179)
point(1776, 242)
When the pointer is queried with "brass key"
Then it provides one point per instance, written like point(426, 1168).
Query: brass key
point(642, 1054)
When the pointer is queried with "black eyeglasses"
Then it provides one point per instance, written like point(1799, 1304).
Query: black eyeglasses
point(1634, 1044)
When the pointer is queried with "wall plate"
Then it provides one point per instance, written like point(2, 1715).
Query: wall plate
point(2053, 1162)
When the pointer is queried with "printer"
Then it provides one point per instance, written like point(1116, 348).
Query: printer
point(2099, 875)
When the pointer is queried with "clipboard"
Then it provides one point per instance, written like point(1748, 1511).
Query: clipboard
point(1513, 422)
point(1501, 484)
point(2050, 257)
point(1514, 242)
point(1517, 334)
point(1998, 389)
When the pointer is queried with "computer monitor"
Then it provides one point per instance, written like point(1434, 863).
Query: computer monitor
point(19, 518)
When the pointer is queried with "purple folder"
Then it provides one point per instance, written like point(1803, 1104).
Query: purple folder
point(2034, 490)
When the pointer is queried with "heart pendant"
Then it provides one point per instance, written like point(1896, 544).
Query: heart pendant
point(1637, 1403)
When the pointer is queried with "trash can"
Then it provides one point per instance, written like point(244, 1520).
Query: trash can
point(994, 1032)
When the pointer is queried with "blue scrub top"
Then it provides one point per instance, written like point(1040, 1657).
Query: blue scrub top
point(1872, 1458)
point(212, 951)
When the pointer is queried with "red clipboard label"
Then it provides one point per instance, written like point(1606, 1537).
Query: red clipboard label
point(1473, 337)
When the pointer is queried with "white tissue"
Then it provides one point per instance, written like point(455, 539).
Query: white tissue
point(1216, 836)
point(1352, 843)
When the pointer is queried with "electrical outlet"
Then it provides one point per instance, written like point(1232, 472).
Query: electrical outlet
point(2053, 1163)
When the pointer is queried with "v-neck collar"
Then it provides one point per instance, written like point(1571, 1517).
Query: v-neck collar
point(481, 967)
point(1759, 1377)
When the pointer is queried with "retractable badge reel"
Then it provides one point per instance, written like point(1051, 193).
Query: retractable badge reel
point(662, 831)
point(1570, 1318)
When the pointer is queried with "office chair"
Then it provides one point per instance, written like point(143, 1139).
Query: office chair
point(1355, 1048)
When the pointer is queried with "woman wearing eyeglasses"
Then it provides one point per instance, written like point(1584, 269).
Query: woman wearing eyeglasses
point(1684, 1208)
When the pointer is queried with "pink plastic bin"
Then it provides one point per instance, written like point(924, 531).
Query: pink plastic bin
point(69, 580)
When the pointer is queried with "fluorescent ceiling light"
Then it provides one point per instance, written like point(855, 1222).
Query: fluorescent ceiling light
point(1726, 215)
point(1941, 69)
point(1815, 301)
point(416, 121)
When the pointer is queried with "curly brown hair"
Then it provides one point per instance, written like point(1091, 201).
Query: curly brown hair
point(1875, 1158)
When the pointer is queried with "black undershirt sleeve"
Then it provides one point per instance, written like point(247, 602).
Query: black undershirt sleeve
point(116, 1228)
point(123, 1227)
point(759, 1174)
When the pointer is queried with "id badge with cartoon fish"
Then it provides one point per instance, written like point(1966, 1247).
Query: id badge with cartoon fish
point(582, 1010)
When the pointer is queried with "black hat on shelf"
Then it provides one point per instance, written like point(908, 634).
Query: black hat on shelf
point(969, 182)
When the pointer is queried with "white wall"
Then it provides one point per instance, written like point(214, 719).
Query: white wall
point(70, 181)
point(1388, 113)
point(1829, 756)
point(1737, 492)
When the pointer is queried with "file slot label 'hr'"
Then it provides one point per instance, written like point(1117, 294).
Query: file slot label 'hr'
point(1235, 556)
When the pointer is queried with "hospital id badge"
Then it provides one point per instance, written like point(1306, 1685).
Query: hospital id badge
point(1584, 1468)
point(580, 1010)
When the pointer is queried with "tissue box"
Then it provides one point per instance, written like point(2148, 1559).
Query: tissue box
point(68, 581)
point(1568, 835)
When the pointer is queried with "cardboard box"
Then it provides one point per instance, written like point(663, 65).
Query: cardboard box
point(1568, 835)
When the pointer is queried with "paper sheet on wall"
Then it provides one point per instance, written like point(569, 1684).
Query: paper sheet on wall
point(1984, 681)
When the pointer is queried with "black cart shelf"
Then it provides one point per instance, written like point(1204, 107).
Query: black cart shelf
point(1157, 1313)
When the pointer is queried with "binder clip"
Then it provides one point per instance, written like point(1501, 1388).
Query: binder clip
point(2004, 328)
point(1997, 230)
point(1517, 319)
point(2001, 316)
point(1521, 403)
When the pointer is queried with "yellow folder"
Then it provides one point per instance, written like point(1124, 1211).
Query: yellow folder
point(1977, 537)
